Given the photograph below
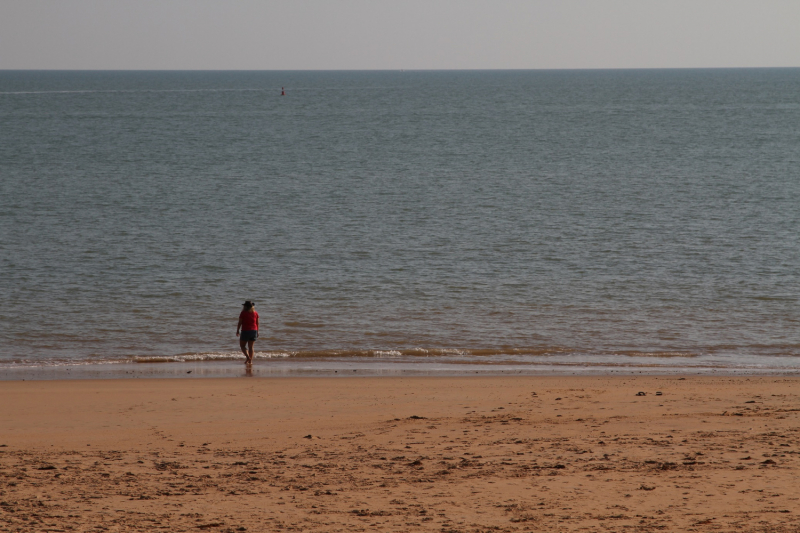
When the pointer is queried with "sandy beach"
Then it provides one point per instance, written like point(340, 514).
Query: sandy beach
point(556, 453)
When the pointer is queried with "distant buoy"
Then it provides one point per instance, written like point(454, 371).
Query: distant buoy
point(283, 93)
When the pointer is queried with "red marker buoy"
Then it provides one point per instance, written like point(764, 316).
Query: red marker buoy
point(283, 93)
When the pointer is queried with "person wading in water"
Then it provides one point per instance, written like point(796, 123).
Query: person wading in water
point(248, 325)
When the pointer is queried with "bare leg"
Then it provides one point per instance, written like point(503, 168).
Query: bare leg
point(242, 345)
point(250, 349)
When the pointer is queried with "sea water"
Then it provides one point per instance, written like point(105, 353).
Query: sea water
point(604, 219)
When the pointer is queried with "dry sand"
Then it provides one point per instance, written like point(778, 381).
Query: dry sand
point(401, 454)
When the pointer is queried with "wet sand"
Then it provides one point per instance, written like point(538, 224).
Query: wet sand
point(558, 453)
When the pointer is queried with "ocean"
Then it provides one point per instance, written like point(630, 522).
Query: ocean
point(403, 221)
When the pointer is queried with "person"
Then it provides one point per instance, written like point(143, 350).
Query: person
point(248, 325)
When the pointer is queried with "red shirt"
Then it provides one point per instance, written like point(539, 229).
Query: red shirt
point(249, 320)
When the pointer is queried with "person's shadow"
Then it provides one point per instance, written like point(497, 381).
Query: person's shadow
point(248, 370)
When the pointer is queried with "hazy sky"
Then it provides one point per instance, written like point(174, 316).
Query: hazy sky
point(410, 34)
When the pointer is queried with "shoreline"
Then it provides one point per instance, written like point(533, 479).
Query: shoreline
point(432, 453)
point(288, 367)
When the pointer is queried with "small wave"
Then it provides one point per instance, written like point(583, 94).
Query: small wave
point(213, 356)
point(432, 352)
point(543, 355)
point(477, 355)
point(411, 353)
point(388, 353)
